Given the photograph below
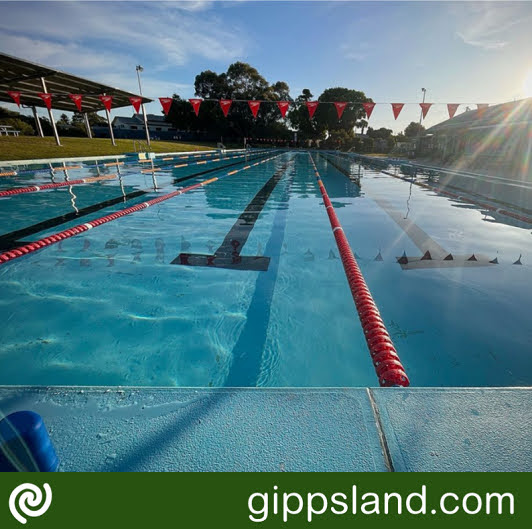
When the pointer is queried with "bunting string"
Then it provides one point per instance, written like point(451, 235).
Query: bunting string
point(254, 104)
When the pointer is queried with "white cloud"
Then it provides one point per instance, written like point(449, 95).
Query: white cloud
point(357, 52)
point(170, 34)
point(489, 25)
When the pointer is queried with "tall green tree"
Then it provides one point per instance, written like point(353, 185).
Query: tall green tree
point(414, 130)
point(241, 81)
point(325, 122)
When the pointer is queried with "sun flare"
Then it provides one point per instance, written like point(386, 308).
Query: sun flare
point(527, 84)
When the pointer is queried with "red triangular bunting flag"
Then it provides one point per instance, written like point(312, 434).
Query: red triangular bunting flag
point(107, 102)
point(77, 100)
point(312, 106)
point(368, 108)
point(225, 105)
point(283, 107)
point(47, 98)
point(254, 107)
point(481, 109)
point(425, 108)
point(15, 96)
point(166, 103)
point(397, 107)
point(340, 107)
point(195, 105)
point(136, 101)
point(452, 108)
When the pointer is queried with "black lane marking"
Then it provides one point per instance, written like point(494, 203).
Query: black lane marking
point(248, 351)
point(228, 254)
point(11, 240)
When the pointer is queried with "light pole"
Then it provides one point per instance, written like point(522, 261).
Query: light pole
point(139, 69)
point(418, 142)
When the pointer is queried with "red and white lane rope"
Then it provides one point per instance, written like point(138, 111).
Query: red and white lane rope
point(388, 366)
point(33, 189)
point(200, 162)
point(80, 228)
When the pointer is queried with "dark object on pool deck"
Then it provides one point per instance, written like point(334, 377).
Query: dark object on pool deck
point(449, 257)
point(228, 254)
point(426, 256)
point(473, 258)
point(518, 262)
point(494, 261)
point(403, 259)
point(378, 257)
point(25, 444)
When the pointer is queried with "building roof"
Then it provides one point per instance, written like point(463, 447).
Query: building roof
point(151, 117)
point(25, 76)
point(515, 112)
point(137, 119)
point(129, 121)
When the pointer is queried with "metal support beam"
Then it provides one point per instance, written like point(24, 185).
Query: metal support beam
point(87, 125)
point(51, 114)
point(37, 122)
point(108, 114)
point(146, 125)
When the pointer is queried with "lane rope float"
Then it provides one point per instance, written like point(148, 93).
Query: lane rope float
point(33, 189)
point(388, 366)
point(80, 228)
point(91, 179)
point(52, 169)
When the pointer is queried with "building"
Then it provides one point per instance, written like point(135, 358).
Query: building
point(136, 122)
point(496, 139)
point(133, 128)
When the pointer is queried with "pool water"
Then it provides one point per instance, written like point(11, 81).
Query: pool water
point(133, 302)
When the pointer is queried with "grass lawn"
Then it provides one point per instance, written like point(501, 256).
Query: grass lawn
point(31, 147)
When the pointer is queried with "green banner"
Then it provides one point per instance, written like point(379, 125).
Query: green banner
point(263, 500)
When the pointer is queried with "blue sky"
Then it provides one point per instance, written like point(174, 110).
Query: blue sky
point(465, 52)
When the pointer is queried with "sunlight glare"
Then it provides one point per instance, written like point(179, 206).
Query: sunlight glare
point(527, 84)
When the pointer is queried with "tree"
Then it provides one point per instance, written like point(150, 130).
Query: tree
point(63, 121)
point(299, 118)
point(381, 134)
point(18, 124)
point(414, 130)
point(325, 121)
point(241, 81)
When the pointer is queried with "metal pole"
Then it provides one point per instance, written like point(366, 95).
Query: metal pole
point(50, 113)
point(87, 125)
point(37, 122)
point(108, 114)
point(139, 69)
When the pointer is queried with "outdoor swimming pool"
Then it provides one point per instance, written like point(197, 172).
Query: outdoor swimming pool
point(137, 301)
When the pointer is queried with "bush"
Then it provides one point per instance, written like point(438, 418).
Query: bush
point(25, 128)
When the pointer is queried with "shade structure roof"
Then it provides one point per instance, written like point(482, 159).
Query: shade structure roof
point(25, 77)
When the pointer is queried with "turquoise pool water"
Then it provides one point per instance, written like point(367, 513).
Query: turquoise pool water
point(119, 305)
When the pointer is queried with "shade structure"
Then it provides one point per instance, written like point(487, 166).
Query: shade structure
point(25, 77)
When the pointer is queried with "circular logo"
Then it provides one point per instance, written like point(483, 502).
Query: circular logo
point(26, 499)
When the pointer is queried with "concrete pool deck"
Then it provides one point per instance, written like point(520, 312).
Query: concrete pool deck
point(283, 430)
